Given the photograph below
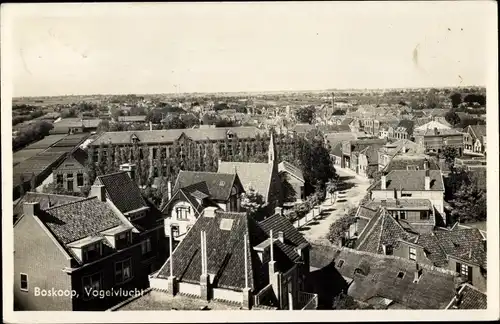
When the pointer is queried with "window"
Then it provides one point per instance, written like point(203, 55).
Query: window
point(401, 275)
point(24, 282)
point(146, 246)
point(79, 179)
point(464, 270)
point(183, 212)
point(413, 254)
point(229, 136)
point(340, 264)
point(91, 283)
point(175, 230)
point(402, 214)
point(155, 151)
point(405, 194)
point(123, 271)
point(122, 240)
point(59, 179)
point(424, 215)
point(92, 252)
point(155, 172)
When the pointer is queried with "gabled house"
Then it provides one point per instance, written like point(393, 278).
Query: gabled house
point(351, 149)
point(411, 184)
point(435, 140)
point(475, 139)
point(70, 173)
point(193, 192)
point(398, 149)
point(228, 258)
point(382, 281)
point(293, 176)
point(262, 177)
point(460, 249)
point(79, 255)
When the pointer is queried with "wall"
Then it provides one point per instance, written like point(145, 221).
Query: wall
point(226, 294)
point(39, 257)
point(403, 251)
point(189, 288)
point(183, 224)
point(478, 280)
point(296, 184)
point(436, 197)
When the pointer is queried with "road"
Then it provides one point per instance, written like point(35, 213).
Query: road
point(355, 190)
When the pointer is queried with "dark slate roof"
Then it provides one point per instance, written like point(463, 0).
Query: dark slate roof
point(463, 243)
point(479, 130)
point(225, 253)
point(410, 180)
point(45, 200)
point(359, 145)
point(347, 121)
point(434, 290)
point(292, 169)
point(170, 135)
point(79, 219)
point(218, 185)
point(252, 175)
point(383, 230)
point(470, 297)
point(292, 237)
point(122, 191)
point(371, 153)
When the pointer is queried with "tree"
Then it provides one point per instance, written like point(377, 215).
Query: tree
point(103, 126)
point(306, 114)
point(173, 123)
point(452, 117)
point(253, 202)
point(469, 204)
point(337, 230)
point(331, 188)
point(346, 302)
point(449, 154)
point(456, 99)
point(339, 112)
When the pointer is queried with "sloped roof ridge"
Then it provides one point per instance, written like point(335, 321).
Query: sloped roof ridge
point(71, 202)
point(394, 257)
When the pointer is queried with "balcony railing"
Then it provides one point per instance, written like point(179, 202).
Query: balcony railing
point(307, 301)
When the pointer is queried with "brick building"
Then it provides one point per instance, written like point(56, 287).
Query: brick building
point(71, 173)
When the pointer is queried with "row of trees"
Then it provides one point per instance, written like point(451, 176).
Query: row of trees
point(31, 133)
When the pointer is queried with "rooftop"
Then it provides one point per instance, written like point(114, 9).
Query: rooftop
point(410, 180)
point(252, 175)
point(292, 169)
point(122, 191)
point(217, 185)
point(469, 297)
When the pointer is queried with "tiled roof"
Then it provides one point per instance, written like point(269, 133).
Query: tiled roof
point(132, 118)
point(385, 230)
point(463, 243)
point(347, 121)
point(470, 298)
point(371, 153)
point(122, 191)
point(410, 180)
point(434, 290)
point(225, 253)
point(440, 132)
point(401, 162)
point(218, 185)
point(358, 145)
point(292, 237)
point(79, 219)
point(252, 175)
point(170, 135)
point(45, 200)
point(431, 125)
point(408, 203)
point(334, 128)
point(292, 169)
point(479, 131)
point(337, 138)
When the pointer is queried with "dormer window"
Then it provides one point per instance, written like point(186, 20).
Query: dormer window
point(122, 240)
point(230, 135)
point(92, 252)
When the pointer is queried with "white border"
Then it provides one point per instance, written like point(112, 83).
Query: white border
point(9, 11)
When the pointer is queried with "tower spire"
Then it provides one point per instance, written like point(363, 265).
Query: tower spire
point(272, 150)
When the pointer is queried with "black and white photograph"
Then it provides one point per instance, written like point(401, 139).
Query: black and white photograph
point(252, 156)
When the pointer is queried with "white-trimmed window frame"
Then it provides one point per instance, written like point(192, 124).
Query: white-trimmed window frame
point(121, 271)
point(83, 284)
point(27, 282)
point(412, 252)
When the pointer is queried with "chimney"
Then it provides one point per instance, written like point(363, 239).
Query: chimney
point(427, 183)
point(426, 164)
point(281, 236)
point(278, 210)
point(31, 208)
point(98, 191)
point(436, 132)
point(169, 190)
point(383, 182)
point(150, 125)
point(209, 211)
point(129, 168)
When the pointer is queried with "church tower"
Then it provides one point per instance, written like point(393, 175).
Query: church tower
point(271, 154)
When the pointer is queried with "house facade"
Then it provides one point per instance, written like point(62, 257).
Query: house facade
point(475, 139)
point(196, 191)
point(435, 140)
point(86, 247)
point(70, 174)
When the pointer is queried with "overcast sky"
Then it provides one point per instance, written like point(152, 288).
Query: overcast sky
point(248, 47)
